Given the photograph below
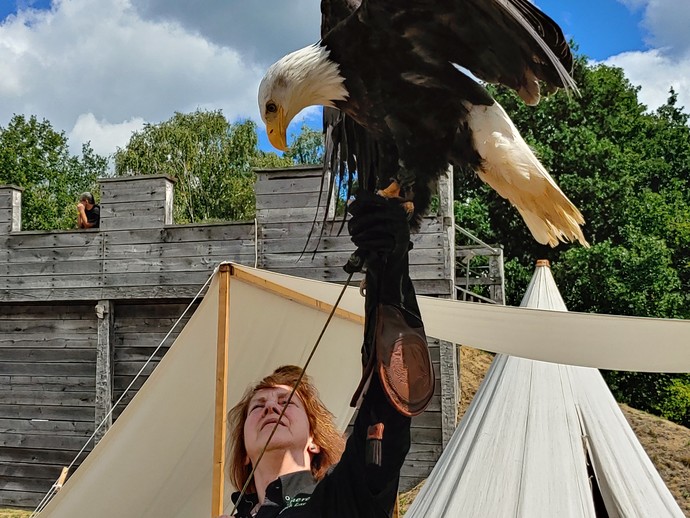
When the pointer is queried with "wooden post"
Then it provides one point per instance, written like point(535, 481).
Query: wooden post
point(220, 427)
point(104, 367)
point(10, 209)
point(497, 290)
point(448, 354)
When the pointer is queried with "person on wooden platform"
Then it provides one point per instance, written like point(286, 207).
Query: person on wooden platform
point(300, 465)
point(88, 212)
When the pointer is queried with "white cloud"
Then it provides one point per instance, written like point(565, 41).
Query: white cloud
point(104, 137)
point(665, 65)
point(667, 22)
point(98, 64)
point(262, 30)
point(656, 73)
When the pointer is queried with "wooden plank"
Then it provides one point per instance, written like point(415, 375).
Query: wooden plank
point(21, 499)
point(151, 310)
point(18, 470)
point(51, 268)
point(338, 259)
point(195, 249)
point(292, 213)
point(149, 324)
point(133, 195)
point(56, 239)
point(427, 242)
point(130, 354)
point(427, 419)
point(133, 222)
point(38, 427)
point(31, 340)
point(425, 451)
point(52, 281)
point(153, 209)
point(54, 253)
point(47, 327)
point(47, 311)
point(183, 233)
point(183, 290)
point(48, 383)
point(61, 413)
point(155, 265)
point(41, 456)
point(43, 355)
point(50, 369)
point(50, 442)
point(288, 200)
point(426, 435)
point(49, 398)
point(133, 367)
point(337, 274)
point(417, 469)
point(309, 184)
point(125, 185)
point(156, 279)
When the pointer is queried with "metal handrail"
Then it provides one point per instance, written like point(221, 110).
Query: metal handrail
point(475, 238)
point(473, 294)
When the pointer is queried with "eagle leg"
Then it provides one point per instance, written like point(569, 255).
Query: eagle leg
point(393, 192)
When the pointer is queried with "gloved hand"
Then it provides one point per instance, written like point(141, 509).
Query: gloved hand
point(379, 226)
point(380, 230)
point(394, 338)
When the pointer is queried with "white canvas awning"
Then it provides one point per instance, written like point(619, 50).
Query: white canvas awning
point(157, 458)
point(524, 446)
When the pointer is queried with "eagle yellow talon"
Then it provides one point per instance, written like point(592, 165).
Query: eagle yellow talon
point(392, 191)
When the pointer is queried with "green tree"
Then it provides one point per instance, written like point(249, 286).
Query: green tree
point(307, 147)
point(211, 159)
point(36, 157)
point(628, 170)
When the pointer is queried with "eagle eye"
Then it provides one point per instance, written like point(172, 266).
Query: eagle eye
point(271, 107)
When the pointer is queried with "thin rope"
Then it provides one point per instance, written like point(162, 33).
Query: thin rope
point(53, 489)
point(292, 393)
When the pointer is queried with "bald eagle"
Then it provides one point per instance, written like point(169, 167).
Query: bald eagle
point(399, 104)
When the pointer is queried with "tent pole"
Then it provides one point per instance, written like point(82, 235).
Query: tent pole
point(220, 426)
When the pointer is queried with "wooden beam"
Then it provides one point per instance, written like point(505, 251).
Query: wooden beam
point(220, 427)
point(300, 298)
point(104, 367)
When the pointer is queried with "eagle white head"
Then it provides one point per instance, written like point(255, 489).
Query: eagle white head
point(303, 78)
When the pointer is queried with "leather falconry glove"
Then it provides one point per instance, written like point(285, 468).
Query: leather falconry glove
point(395, 345)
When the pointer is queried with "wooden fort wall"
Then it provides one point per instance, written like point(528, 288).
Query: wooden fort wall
point(82, 311)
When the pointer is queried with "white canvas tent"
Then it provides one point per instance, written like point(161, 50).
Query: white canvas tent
point(526, 444)
point(158, 458)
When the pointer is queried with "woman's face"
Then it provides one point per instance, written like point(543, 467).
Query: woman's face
point(293, 433)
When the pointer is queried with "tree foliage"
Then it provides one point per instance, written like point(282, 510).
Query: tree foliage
point(211, 159)
point(36, 157)
point(628, 170)
point(307, 147)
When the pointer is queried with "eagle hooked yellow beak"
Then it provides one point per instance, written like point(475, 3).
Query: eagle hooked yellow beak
point(276, 125)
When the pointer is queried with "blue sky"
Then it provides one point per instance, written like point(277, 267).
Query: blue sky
point(601, 28)
point(100, 69)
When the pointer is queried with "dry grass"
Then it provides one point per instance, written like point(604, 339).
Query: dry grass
point(666, 443)
point(14, 513)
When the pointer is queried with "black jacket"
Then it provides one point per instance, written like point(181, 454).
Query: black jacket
point(351, 489)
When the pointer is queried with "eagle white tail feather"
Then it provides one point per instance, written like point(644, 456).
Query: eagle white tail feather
point(511, 168)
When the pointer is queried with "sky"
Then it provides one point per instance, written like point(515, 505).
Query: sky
point(99, 69)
